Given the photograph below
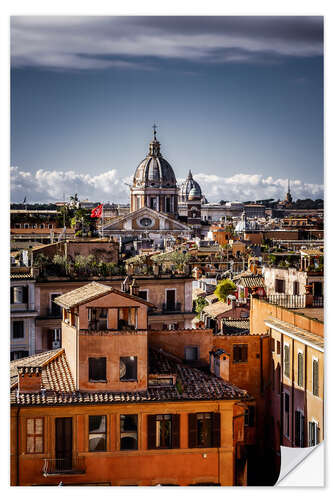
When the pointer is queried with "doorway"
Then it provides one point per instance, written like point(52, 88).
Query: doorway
point(64, 439)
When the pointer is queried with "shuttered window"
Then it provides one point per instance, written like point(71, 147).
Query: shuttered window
point(286, 361)
point(314, 437)
point(299, 429)
point(240, 353)
point(35, 430)
point(273, 375)
point(204, 430)
point(315, 377)
point(163, 431)
point(249, 416)
point(286, 414)
point(300, 369)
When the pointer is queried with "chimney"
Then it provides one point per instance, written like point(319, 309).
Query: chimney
point(134, 288)
point(308, 296)
point(219, 364)
point(30, 378)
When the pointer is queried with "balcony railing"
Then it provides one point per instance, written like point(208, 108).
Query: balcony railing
point(168, 307)
point(318, 301)
point(60, 466)
point(288, 301)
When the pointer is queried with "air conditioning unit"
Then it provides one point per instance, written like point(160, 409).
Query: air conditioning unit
point(56, 344)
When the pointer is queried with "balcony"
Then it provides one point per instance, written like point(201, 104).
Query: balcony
point(64, 466)
point(170, 308)
point(294, 301)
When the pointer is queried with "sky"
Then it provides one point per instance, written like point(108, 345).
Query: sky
point(238, 100)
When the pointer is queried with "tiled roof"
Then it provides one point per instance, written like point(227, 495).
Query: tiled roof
point(214, 310)
point(212, 298)
point(192, 384)
point(47, 230)
point(252, 281)
point(56, 375)
point(235, 327)
point(92, 291)
point(20, 276)
point(82, 294)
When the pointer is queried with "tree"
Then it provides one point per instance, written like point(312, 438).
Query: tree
point(224, 288)
point(200, 303)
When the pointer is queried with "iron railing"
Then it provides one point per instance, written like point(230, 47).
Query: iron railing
point(175, 307)
point(70, 465)
point(318, 301)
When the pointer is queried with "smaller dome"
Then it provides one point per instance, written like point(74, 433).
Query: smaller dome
point(187, 187)
point(195, 193)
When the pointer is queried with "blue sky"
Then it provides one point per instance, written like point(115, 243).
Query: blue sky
point(239, 101)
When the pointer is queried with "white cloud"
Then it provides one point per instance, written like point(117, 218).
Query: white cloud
point(49, 186)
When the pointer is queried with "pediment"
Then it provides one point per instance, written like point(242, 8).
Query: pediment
point(146, 218)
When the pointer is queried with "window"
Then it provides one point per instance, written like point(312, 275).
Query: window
point(191, 353)
point(278, 347)
point(18, 355)
point(55, 309)
point(128, 368)
point(240, 353)
point(300, 369)
point(296, 288)
point(97, 369)
point(163, 431)
point(26, 226)
point(313, 434)
point(278, 377)
point(273, 375)
point(249, 416)
point(18, 329)
point(286, 414)
point(286, 361)
point(204, 430)
point(50, 226)
point(299, 429)
point(97, 433)
point(19, 295)
point(279, 286)
point(35, 435)
point(143, 294)
point(315, 377)
point(273, 345)
point(128, 432)
point(97, 318)
point(127, 318)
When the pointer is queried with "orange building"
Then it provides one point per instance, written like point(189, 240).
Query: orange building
point(107, 409)
point(297, 372)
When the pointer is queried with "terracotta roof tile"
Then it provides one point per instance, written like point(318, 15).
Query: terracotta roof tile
point(192, 384)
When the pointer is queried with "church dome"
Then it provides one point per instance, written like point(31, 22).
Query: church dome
point(154, 170)
point(189, 188)
point(195, 193)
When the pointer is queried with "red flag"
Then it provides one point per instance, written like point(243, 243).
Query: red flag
point(97, 212)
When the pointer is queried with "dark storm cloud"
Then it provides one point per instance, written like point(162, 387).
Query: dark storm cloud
point(103, 42)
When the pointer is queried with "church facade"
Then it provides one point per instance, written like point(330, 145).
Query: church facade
point(154, 202)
